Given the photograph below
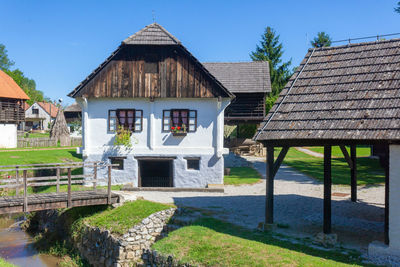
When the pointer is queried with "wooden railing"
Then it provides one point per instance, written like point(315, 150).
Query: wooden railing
point(57, 180)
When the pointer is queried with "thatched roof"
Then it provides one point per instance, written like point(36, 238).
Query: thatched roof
point(242, 77)
point(349, 92)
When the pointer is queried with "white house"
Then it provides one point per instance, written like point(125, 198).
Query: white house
point(153, 86)
point(12, 99)
point(39, 116)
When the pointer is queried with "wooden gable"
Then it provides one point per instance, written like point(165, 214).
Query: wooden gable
point(151, 71)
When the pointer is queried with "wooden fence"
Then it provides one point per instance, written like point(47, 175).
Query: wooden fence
point(17, 182)
point(45, 142)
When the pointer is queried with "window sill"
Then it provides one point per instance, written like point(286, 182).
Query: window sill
point(179, 134)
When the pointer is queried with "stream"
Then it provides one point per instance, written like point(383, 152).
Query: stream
point(16, 246)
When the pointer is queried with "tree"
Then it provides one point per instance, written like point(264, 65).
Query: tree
point(321, 40)
point(5, 62)
point(271, 50)
point(26, 84)
point(397, 9)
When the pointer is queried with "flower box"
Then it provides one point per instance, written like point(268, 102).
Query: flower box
point(179, 133)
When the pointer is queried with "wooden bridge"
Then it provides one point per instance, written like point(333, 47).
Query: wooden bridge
point(26, 202)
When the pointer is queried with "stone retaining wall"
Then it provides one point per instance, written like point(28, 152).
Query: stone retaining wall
point(152, 258)
point(101, 248)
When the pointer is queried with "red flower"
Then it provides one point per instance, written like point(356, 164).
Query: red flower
point(173, 128)
point(179, 127)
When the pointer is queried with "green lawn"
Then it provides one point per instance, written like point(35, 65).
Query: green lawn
point(37, 135)
point(337, 152)
point(242, 175)
point(211, 242)
point(39, 156)
point(369, 170)
point(3, 263)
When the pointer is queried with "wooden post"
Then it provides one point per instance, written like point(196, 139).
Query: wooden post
point(327, 188)
point(69, 204)
point(95, 176)
point(109, 186)
point(386, 168)
point(25, 191)
point(58, 179)
point(269, 202)
point(353, 172)
point(17, 180)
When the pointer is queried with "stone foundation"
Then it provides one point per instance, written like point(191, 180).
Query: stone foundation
point(101, 248)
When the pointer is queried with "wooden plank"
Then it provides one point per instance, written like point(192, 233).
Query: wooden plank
point(327, 189)
point(280, 159)
point(109, 186)
point(178, 77)
point(95, 176)
point(346, 156)
point(25, 192)
point(353, 172)
point(58, 180)
point(269, 204)
point(69, 189)
point(17, 181)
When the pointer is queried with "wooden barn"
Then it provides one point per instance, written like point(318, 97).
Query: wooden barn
point(342, 96)
point(12, 101)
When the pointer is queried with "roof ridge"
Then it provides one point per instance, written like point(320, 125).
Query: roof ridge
point(152, 25)
point(355, 44)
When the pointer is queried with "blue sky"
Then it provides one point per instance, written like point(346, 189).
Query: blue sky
point(58, 43)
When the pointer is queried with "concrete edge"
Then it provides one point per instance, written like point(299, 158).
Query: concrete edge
point(174, 189)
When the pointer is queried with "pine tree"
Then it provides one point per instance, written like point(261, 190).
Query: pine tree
point(321, 40)
point(271, 49)
point(397, 9)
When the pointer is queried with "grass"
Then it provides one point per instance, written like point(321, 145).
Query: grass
point(210, 242)
point(119, 220)
point(242, 175)
point(362, 151)
point(3, 263)
point(38, 135)
point(39, 156)
point(369, 171)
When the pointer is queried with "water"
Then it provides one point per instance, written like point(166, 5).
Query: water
point(17, 247)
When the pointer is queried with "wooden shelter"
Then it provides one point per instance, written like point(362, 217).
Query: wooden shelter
point(249, 82)
point(341, 96)
point(59, 129)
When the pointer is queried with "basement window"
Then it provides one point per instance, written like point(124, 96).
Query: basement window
point(119, 161)
point(193, 163)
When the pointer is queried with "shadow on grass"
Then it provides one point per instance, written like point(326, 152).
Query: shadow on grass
point(268, 239)
point(347, 217)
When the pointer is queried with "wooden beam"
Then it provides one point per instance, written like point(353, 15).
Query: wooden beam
point(327, 188)
point(280, 159)
point(109, 186)
point(69, 203)
point(387, 188)
point(346, 156)
point(269, 204)
point(25, 192)
point(353, 173)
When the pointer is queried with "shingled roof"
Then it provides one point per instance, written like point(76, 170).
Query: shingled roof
point(153, 34)
point(242, 77)
point(10, 89)
point(349, 92)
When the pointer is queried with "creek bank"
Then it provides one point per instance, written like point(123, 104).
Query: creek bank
point(101, 247)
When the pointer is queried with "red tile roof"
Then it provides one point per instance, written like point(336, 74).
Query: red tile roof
point(10, 89)
point(49, 106)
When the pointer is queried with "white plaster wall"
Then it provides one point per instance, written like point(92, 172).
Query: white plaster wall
point(394, 196)
point(206, 143)
point(8, 135)
point(204, 140)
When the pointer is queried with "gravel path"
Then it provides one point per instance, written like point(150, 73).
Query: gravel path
point(297, 203)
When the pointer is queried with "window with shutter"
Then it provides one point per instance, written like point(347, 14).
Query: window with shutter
point(183, 120)
point(129, 119)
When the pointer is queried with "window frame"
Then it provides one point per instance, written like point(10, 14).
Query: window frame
point(136, 127)
point(121, 167)
point(192, 160)
point(35, 111)
point(167, 114)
